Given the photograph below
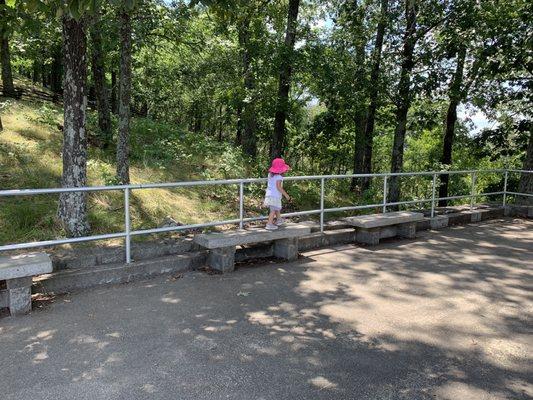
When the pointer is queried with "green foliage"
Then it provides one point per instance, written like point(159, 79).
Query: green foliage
point(47, 115)
point(198, 65)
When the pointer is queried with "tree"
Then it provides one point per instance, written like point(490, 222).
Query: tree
point(73, 205)
point(404, 97)
point(113, 100)
point(124, 111)
point(355, 13)
point(374, 90)
point(526, 179)
point(247, 16)
point(56, 71)
point(5, 56)
point(278, 137)
point(456, 93)
point(247, 107)
point(101, 89)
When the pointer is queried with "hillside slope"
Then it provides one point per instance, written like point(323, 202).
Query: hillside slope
point(30, 157)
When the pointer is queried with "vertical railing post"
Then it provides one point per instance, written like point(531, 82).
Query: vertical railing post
point(433, 186)
point(127, 223)
point(322, 205)
point(473, 190)
point(505, 188)
point(241, 205)
point(385, 194)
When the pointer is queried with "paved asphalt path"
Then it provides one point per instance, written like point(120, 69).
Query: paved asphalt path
point(445, 316)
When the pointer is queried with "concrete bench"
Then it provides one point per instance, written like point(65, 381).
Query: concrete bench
point(17, 272)
point(222, 245)
point(371, 228)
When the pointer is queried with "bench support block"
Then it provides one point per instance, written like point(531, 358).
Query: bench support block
point(368, 236)
point(222, 259)
point(286, 248)
point(475, 216)
point(439, 222)
point(407, 231)
point(19, 295)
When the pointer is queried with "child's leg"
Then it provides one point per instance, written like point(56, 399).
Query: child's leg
point(278, 215)
point(271, 216)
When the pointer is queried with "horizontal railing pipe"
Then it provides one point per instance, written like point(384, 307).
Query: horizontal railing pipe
point(55, 242)
point(241, 220)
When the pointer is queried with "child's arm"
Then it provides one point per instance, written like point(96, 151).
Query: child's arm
point(279, 185)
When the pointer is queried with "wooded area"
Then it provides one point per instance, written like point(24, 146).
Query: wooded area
point(334, 86)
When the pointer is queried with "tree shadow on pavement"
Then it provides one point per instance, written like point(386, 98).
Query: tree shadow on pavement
point(446, 316)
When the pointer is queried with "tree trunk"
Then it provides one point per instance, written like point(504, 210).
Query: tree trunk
point(114, 107)
point(359, 115)
point(359, 146)
point(73, 205)
point(196, 114)
point(100, 85)
point(124, 111)
point(56, 74)
point(451, 118)
point(36, 71)
point(526, 180)
point(374, 91)
point(219, 124)
point(5, 58)
point(44, 76)
point(238, 133)
point(278, 137)
point(404, 99)
point(249, 124)
point(7, 77)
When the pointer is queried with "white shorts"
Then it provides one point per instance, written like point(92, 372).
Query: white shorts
point(274, 203)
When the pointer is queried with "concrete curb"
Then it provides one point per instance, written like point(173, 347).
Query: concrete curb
point(76, 279)
point(183, 255)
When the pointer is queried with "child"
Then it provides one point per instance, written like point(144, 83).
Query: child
point(274, 192)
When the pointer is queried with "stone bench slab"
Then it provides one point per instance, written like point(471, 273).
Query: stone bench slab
point(18, 271)
point(24, 265)
point(387, 219)
point(256, 235)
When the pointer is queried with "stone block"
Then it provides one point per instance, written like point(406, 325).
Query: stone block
point(111, 256)
point(475, 216)
point(340, 236)
point(490, 213)
point(222, 259)
point(70, 261)
point(388, 232)
point(407, 231)
point(387, 219)
point(237, 238)
point(29, 264)
point(75, 279)
point(312, 241)
point(439, 222)
point(423, 225)
point(19, 295)
point(459, 218)
point(286, 249)
point(262, 250)
point(3, 298)
point(521, 211)
point(368, 236)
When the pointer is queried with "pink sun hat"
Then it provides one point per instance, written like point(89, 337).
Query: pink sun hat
point(279, 166)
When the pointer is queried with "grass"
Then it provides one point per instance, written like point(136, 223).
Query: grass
point(30, 157)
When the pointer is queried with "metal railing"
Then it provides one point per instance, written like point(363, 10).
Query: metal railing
point(128, 233)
